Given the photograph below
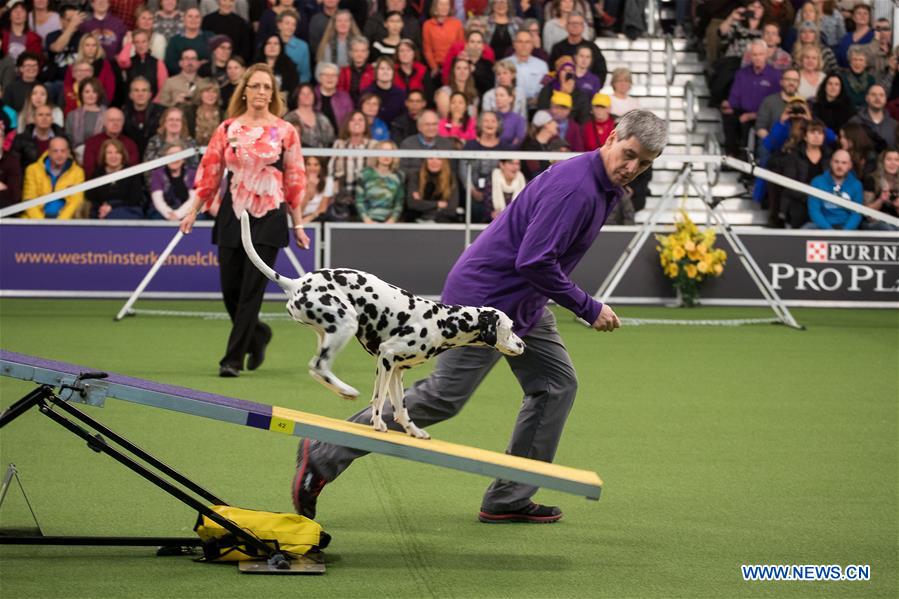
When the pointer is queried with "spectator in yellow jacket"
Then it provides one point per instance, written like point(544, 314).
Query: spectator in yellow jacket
point(54, 170)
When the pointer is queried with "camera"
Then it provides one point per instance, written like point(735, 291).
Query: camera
point(567, 76)
point(797, 110)
point(893, 195)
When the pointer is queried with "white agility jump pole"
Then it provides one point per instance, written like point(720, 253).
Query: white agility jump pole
point(126, 309)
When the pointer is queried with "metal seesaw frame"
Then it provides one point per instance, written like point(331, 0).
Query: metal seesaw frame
point(88, 387)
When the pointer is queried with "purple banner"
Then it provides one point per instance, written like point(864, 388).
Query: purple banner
point(94, 259)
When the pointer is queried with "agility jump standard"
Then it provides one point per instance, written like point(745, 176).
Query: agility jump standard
point(301, 424)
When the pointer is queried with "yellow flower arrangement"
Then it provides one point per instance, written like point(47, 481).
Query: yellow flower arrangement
point(688, 256)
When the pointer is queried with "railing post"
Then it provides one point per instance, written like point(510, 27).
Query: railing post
point(468, 203)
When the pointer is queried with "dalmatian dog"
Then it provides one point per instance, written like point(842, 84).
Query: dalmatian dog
point(400, 329)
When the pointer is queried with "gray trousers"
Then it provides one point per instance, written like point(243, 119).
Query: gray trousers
point(546, 376)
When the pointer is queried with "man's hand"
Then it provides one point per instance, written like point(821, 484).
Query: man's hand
point(747, 116)
point(607, 320)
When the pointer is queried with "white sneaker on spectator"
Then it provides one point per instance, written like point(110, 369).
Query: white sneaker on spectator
point(679, 32)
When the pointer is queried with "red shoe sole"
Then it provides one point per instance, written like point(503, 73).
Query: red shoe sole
point(512, 518)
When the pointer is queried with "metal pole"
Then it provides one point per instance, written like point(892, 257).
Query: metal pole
point(749, 263)
point(467, 203)
point(630, 253)
point(149, 276)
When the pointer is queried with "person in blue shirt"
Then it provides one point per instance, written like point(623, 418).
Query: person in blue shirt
point(521, 261)
point(842, 182)
point(297, 50)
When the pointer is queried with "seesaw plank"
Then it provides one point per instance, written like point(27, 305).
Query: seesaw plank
point(303, 424)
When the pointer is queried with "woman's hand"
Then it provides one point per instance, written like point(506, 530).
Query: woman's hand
point(104, 210)
point(302, 239)
point(187, 223)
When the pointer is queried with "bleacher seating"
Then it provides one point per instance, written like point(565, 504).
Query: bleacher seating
point(646, 60)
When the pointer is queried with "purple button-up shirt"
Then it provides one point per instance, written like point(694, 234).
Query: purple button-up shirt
point(750, 88)
point(525, 257)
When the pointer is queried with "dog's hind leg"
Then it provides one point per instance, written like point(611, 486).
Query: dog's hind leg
point(332, 339)
point(379, 396)
point(398, 400)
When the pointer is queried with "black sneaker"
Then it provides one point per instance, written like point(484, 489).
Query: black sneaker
point(307, 483)
point(256, 355)
point(533, 513)
point(229, 372)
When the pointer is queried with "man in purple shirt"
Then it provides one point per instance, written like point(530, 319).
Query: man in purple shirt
point(751, 85)
point(519, 263)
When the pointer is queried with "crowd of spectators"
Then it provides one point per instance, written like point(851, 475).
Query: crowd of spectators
point(91, 88)
point(121, 82)
point(809, 89)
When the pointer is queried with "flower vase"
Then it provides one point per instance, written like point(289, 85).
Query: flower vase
point(687, 294)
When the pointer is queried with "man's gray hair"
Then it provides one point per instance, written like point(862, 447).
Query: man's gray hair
point(650, 130)
point(757, 42)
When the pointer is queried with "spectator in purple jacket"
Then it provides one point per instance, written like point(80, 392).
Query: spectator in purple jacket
point(108, 28)
point(521, 261)
point(335, 104)
point(751, 85)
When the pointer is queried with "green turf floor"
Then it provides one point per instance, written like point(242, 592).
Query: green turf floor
point(718, 447)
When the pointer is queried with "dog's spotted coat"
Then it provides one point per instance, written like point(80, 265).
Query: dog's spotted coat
point(397, 327)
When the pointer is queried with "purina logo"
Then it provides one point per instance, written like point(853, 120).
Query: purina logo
point(815, 251)
point(852, 252)
point(850, 265)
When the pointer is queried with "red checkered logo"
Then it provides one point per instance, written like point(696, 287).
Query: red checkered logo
point(816, 251)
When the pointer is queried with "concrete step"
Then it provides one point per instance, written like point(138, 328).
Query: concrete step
point(642, 66)
point(675, 126)
point(699, 83)
point(656, 102)
point(612, 43)
point(676, 113)
point(667, 176)
point(721, 190)
point(642, 57)
point(661, 90)
point(700, 217)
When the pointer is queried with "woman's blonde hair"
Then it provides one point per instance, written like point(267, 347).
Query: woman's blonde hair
point(811, 49)
point(444, 184)
point(185, 133)
point(328, 37)
point(389, 145)
point(622, 74)
point(202, 86)
point(238, 104)
point(101, 53)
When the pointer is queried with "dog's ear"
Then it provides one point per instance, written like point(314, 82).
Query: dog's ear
point(487, 322)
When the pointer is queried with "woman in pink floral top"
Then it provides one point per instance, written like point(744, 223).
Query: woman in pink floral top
point(266, 177)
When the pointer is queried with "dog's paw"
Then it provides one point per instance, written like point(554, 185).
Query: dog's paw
point(414, 431)
point(349, 393)
point(379, 425)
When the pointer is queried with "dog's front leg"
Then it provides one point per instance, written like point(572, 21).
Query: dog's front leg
point(379, 395)
point(398, 400)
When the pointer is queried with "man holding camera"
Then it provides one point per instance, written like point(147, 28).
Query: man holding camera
point(773, 106)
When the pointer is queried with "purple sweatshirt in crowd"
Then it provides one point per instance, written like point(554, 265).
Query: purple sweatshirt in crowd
point(524, 258)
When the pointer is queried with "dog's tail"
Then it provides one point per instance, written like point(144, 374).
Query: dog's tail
point(286, 284)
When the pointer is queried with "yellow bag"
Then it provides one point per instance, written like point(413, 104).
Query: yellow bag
point(291, 534)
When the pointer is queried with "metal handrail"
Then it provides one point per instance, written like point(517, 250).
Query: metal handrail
point(670, 71)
